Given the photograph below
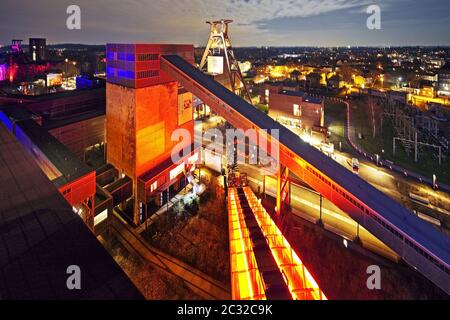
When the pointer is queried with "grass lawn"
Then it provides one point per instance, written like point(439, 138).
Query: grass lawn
point(262, 107)
point(335, 117)
point(427, 164)
point(197, 235)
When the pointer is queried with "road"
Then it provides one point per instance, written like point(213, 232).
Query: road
point(389, 179)
point(305, 203)
point(395, 185)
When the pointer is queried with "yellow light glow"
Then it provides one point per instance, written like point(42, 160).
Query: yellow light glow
point(246, 279)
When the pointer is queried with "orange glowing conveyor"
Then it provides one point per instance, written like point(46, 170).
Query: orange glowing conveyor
point(246, 280)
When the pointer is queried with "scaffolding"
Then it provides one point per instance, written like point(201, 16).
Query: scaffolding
point(219, 44)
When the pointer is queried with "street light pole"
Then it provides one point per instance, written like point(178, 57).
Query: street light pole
point(67, 79)
point(320, 208)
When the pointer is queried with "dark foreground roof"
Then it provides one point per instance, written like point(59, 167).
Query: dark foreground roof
point(40, 237)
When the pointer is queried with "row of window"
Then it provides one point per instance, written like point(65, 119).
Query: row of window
point(129, 56)
point(147, 56)
point(380, 221)
point(148, 74)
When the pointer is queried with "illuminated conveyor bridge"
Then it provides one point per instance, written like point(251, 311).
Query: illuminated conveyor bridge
point(417, 242)
point(263, 264)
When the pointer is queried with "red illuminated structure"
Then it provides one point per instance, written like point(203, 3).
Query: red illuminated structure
point(138, 116)
point(144, 106)
point(74, 179)
point(57, 129)
point(426, 250)
point(263, 263)
point(21, 68)
point(293, 107)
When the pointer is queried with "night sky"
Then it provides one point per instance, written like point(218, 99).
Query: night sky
point(257, 22)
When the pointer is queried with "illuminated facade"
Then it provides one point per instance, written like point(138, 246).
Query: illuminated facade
point(37, 48)
point(263, 264)
point(294, 108)
point(144, 106)
point(3, 72)
point(444, 80)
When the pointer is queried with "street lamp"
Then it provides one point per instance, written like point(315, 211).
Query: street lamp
point(67, 79)
point(378, 158)
point(434, 181)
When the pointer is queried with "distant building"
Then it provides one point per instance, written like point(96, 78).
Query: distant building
point(335, 82)
point(296, 108)
point(274, 87)
point(444, 80)
point(89, 82)
point(37, 49)
point(313, 80)
point(295, 75)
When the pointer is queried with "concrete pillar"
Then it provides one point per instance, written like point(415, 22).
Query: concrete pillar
point(278, 202)
point(136, 205)
point(283, 189)
point(264, 186)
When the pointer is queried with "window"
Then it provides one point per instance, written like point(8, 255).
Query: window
point(153, 186)
point(147, 56)
point(297, 111)
point(148, 74)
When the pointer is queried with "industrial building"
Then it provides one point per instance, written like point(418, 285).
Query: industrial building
point(58, 130)
point(37, 49)
point(41, 237)
point(294, 108)
point(444, 80)
point(144, 107)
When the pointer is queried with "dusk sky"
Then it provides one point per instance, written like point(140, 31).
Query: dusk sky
point(256, 22)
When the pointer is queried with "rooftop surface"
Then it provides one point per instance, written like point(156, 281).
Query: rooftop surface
point(70, 167)
point(303, 95)
point(40, 237)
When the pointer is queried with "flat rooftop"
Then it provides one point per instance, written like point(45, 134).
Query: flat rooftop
point(70, 167)
point(40, 236)
point(303, 95)
point(58, 95)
